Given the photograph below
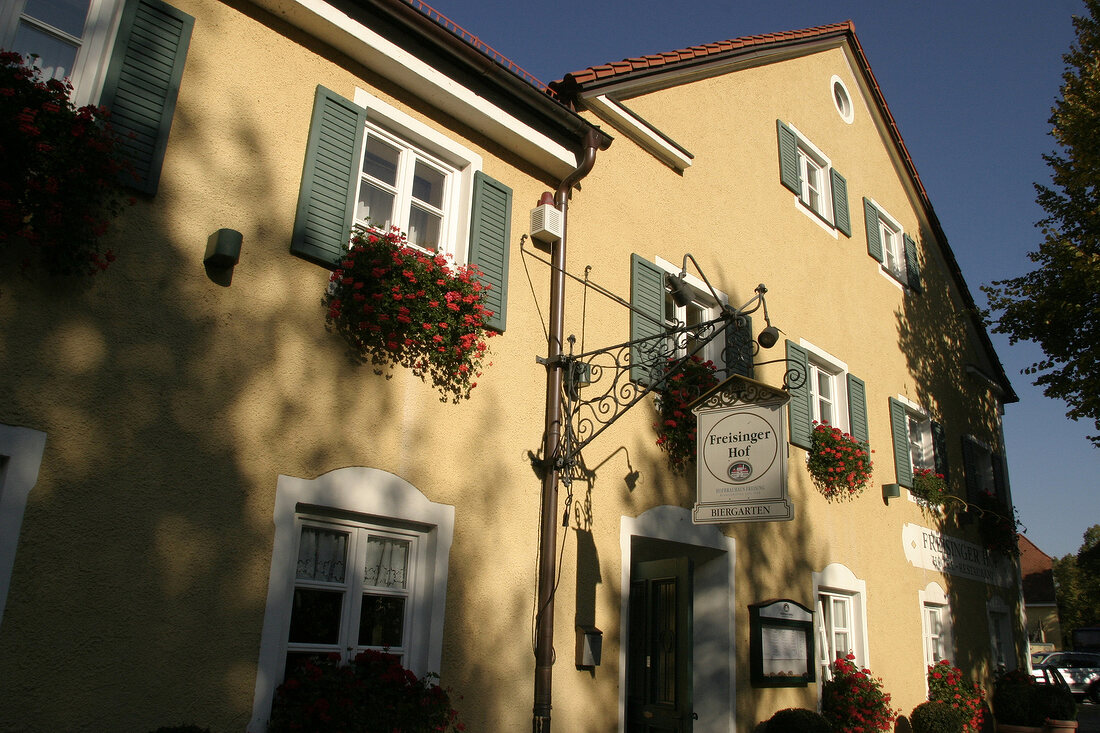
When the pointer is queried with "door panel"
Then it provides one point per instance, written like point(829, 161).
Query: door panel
point(659, 652)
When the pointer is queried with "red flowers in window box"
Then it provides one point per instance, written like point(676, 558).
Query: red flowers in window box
point(929, 486)
point(676, 424)
point(839, 465)
point(397, 305)
point(59, 182)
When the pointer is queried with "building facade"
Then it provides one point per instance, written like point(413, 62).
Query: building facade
point(193, 468)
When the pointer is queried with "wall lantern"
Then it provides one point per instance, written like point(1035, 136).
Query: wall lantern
point(589, 646)
point(891, 491)
point(223, 249)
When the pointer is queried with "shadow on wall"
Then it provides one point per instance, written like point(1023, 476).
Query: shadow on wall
point(172, 398)
point(939, 341)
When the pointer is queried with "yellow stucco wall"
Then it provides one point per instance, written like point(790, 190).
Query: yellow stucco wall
point(172, 403)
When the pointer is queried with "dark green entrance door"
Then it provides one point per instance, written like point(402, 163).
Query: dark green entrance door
point(659, 654)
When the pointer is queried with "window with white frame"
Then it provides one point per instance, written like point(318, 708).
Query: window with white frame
point(827, 383)
point(69, 39)
point(921, 452)
point(936, 624)
point(702, 308)
point(892, 249)
point(840, 616)
point(891, 245)
point(415, 179)
point(1001, 637)
point(353, 590)
point(360, 561)
point(819, 188)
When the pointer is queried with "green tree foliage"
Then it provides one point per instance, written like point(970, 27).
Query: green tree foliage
point(1057, 305)
point(1077, 578)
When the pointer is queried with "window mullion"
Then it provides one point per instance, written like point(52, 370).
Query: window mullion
point(353, 603)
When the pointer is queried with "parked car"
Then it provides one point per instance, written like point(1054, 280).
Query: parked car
point(1079, 670)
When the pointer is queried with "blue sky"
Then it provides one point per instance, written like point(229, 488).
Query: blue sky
point(970, 83)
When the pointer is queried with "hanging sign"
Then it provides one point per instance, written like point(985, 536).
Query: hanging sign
point(741, 454)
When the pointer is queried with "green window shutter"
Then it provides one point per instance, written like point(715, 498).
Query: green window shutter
point(142, 83)
point(912, 266)
point(857, 409)
point(737, 353)
point(647, 297)
point(939, 448)
point(899, 426)
point(800, 409)
point(972, 453)
point(874, 240)
point(1000, 485)
point(490, 233)
point(326, 200)
point(788, 158)
point(841, 217)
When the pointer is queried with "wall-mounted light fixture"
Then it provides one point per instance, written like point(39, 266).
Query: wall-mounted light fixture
point(223, 249)
point(682, 294)
point(589, 646)
point(891, 491)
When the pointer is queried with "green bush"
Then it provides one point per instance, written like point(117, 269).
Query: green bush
point(1054, 702)
point(937, 717)
point(796, 720)
point(1013, 699)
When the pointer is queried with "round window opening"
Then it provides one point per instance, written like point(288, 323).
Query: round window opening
point(842, 100)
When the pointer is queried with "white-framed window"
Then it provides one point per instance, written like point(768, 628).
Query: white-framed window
point(828, 387)
point(702, 308)
point(840, 616)
point(354, 589)
point(936, 624)
point(820, 190)
point(1001, 638)
point(891, 246)
point(842, 99)
point(359, 561)
point(921, 451)
point(71, 39)
point(414, 178)
point(20, 458)
point(892, 249)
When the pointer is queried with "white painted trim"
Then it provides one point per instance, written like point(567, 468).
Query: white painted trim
point(630, 125)
point(20, 458)
point(673, 524)
point(373, 494)
point(322, 20)
point(851, 114)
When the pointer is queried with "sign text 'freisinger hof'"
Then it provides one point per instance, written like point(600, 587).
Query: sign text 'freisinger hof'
point(741, 464)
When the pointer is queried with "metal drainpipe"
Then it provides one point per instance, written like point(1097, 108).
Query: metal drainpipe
point(544, 618)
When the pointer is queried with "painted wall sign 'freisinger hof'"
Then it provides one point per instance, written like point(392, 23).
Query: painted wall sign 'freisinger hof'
point(741, 454)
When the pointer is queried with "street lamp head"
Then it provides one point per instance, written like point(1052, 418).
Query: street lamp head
point(768, 338)
point(680, 290)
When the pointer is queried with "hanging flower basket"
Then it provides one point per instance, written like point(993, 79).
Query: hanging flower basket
point(59, 180)
point(929, 486)
point(676, 423)
point(839, 465)
point(397, 305)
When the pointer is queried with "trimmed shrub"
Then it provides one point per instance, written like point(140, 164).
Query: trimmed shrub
point(1054, 702)
point(936, 717)
point(796, 720)
point(1013, 695)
